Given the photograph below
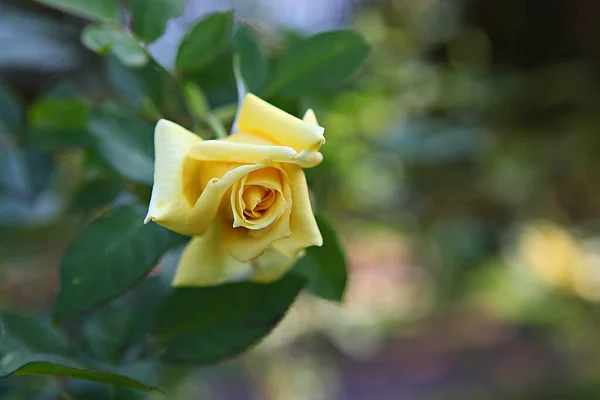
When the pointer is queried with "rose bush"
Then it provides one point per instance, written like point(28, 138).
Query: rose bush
point(92, 152)
point(244, 199)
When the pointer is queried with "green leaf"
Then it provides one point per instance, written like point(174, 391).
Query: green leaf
point(105, 330)
point(252, 57)
point(11, 109)
point(146, 87)
point(145, 371)
point(126, 82)
point(318, 63)
point(49, 365)
point(125, 142)
point(150, 16)
point(205, 325)
point(98, 10)
point(125, 322)
point(147, 302)
point(94, 194)
point(203, 43)
point(99, 391)
point(217, 80)
point(325, 267)
point(113, 254)
point(33, 333)
point(106, 40)
point(57, 122)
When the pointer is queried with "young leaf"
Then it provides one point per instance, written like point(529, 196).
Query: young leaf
point(321, 62)
point(150, 16)
point(32, 333)
point(325, 267)
point(49, 365)
point(98, 10)
point(110, 256)
point(252, 57)
point(125, 142)
point(108, 40)
point(205, 325)
point(204, 42)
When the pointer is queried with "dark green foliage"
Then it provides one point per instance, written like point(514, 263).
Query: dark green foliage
point(205, 325)
point(109, 257)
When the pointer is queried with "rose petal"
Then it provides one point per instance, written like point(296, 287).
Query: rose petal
point(234, 151)
point(206, 262)
point(310, 117)
point(268, 177)
point(205, 209)
point(271, 266)
point(167, 205)
point(249, 138)
point(263, 119)
point(303, 225)
point(244, 245)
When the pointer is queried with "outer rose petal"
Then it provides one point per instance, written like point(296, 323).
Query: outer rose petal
point(205, 262)
point(271, 265)
point(233, 151)
point(167, 205)
point(263, 119)
point(310, 117)
point(303, 225)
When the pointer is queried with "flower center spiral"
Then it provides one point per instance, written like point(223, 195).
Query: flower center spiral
point(257, 199)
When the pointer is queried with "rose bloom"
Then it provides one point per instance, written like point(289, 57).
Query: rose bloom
point(243, 199)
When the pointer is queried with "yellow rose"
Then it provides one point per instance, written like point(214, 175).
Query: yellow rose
point(244, 199)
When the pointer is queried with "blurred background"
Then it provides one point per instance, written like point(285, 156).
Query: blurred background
point(461, 169)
